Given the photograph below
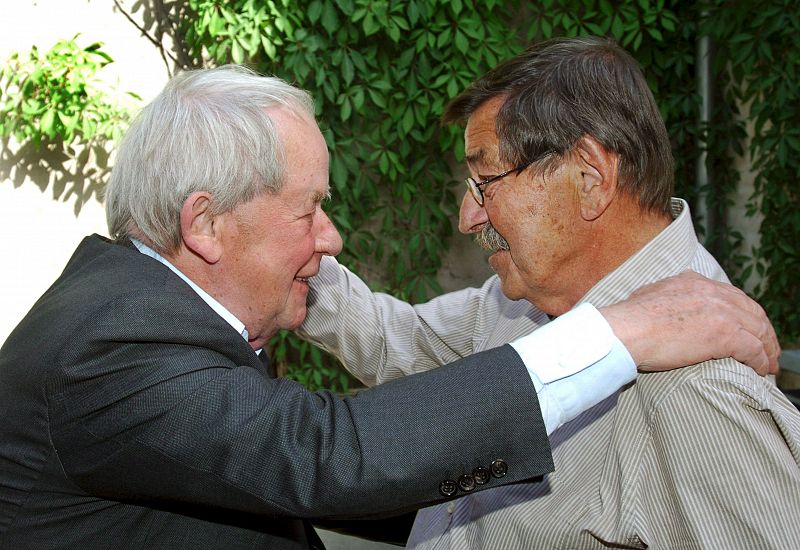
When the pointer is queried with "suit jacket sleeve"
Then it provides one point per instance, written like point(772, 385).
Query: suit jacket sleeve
point(141, 412)
point(379, 338)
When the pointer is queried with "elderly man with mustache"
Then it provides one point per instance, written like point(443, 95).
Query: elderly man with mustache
point(571, 191)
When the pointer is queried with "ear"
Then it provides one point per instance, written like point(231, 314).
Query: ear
point(200, 228)
point(599, 176)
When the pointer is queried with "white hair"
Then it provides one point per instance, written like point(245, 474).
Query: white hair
point(206, 131)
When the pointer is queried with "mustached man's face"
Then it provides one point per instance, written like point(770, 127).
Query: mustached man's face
point(527, 220)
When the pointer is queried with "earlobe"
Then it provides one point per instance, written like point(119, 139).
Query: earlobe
point(200, 227)
point(599, 176)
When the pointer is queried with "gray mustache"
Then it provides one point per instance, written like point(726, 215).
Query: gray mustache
point(489, 239)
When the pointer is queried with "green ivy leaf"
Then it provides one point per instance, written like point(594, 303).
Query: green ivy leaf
point(408, 119)
point(370, 25)
point(314, 11)
point(330, 20)
point(269, 47)
point(347, 69)
point(462, 44)
point(47, 124)
point(346, 109)
point(617, 28)
point(655, 33)
point(237, 53)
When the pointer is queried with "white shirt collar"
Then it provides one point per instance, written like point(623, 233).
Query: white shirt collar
point(237, 325)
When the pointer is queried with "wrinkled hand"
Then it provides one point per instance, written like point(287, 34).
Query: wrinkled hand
point(688, 319)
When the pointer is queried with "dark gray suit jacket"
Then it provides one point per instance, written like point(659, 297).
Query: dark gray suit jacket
point(134, 416)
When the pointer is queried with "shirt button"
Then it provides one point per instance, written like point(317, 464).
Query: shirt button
point(499, 468)
point(448, 488)
point(466, 483)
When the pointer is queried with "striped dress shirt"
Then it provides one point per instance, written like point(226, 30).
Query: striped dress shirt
point(705, 457)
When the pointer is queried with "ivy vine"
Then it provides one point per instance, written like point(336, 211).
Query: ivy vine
point(381, 72)
point(54, 102)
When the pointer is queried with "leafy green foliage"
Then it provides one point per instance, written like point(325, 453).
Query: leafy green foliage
point(761, 40)
point(307, 364)
point(55, 95)
point(57, 123)
point(381, 72)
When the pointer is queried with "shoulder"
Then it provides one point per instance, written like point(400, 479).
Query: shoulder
point(121, 268)
point(723, 386)
point(110, 294)
point(106, 283)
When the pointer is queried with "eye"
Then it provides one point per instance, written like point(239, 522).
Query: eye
point(317, 209)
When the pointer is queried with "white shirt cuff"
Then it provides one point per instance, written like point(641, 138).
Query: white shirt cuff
point(575, 362)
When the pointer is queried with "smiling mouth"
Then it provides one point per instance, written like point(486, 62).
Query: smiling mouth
point(302, 279)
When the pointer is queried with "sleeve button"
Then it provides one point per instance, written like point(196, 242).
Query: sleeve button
point(448, 487)
point(481, 475)
point(499, 468)
point(466, 483)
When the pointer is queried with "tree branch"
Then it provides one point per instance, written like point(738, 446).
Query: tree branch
point(156, 43)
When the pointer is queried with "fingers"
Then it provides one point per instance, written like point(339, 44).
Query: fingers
point(747, 322)
point(772, 347)
point(749, 350)
point(741, 317)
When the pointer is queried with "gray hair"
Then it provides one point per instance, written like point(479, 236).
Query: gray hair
point(561, 90)
point(206, 131)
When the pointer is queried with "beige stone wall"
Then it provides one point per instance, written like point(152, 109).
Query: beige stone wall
point(38, 233)
point(749, 227)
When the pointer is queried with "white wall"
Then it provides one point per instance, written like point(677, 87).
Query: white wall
point(37, 233)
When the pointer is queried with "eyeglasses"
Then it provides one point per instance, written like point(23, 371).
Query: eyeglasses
point(476, 187)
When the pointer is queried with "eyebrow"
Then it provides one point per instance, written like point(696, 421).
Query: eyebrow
point(477, 156)
point(321, 196)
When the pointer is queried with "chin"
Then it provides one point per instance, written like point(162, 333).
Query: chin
point(294, 321)
point(511, 290)
point(512, 294)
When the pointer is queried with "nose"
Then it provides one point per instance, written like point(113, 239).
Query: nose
point(329, 242)
point(471, 216)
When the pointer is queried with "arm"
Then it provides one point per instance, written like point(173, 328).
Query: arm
point(364, 329)
point(730, 467)
point(160, 421)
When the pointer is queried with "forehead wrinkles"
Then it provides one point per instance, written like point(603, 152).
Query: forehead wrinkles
point(481, 150)
point(476, 157)
point(480, 136)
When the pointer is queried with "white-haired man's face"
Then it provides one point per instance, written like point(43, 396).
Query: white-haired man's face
point(277, 240)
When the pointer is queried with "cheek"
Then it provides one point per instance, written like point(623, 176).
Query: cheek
point(303, 253)
point(296, 250)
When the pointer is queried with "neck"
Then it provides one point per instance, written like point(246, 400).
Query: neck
point(603, 245)
point(203, 276)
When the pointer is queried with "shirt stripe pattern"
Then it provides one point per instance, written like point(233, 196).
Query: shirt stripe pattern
point(705, 457)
